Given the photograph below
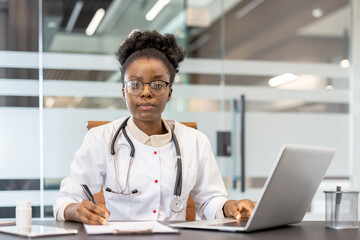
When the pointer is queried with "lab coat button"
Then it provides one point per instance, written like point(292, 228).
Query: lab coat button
point(156, 181)
point(155, 152)
point(154, 211)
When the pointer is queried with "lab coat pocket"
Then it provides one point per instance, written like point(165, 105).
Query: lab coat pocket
point(118, 205)
point(189, 176)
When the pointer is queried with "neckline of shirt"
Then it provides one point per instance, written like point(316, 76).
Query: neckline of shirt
point(158, 140)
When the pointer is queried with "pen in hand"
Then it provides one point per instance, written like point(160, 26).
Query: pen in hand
point(88, 193)
point(91, 198)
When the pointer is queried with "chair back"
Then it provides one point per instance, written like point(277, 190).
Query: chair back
point(191, 206)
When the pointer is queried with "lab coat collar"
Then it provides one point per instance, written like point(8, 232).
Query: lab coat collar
point(158, 140)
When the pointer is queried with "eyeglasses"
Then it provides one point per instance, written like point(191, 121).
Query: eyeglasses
point(135, 87)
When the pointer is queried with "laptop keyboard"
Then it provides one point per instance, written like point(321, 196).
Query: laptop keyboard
point(241, 223)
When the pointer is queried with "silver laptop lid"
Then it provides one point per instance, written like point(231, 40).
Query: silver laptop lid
point(291, 185)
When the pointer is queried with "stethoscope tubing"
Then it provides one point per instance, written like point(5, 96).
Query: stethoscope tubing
point(178, 180)
point(122, 127)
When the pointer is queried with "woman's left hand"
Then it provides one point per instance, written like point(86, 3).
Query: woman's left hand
point(239, 209)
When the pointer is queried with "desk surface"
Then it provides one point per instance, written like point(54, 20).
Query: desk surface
point(303, 231)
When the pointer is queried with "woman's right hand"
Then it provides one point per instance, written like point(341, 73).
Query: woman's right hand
point(87, 212)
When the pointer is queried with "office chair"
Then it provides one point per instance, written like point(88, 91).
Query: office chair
point(191, 206)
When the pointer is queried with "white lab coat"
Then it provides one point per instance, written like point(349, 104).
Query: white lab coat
point(153, 174)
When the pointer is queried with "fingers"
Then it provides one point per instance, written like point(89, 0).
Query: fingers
point(99, 198)
point(90, 213)
point(242, 209)
point(98, 209)
point(86, 220)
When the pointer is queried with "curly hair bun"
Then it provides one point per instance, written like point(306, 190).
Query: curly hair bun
point(165, 44)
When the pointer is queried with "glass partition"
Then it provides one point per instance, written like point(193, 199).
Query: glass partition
point(290, 60)
point(20, 168)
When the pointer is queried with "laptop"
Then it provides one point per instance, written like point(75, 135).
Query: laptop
point(287, 193)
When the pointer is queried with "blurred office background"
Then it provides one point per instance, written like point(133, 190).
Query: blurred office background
point(289, 59)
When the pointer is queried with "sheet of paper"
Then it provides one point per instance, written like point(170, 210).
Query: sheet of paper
point(134, 227)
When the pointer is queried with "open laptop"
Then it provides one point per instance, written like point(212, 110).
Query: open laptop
point(287, 193)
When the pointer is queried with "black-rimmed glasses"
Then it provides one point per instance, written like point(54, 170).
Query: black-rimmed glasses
point(135, 87)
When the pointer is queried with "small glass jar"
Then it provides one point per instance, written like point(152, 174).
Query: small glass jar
point(341, 209)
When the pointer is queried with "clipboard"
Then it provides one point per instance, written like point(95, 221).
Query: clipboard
point(136, 232)
point(128, 228)
point(37, 231)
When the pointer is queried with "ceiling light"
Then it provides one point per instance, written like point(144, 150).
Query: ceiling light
point(95, 21)
point(317, 13)
point(52, 24)
point(281, 79)
point(177, 79)
point(179, 33)
point(49, 102)
point(345, 63)
point(154, 11)
point(329, 87)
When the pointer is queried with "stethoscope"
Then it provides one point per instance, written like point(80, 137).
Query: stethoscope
point(176, 204)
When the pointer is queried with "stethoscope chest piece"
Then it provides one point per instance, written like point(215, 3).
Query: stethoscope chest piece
point(176, 204)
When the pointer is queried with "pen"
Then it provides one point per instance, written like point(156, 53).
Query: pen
point(337, 203)
point(88, 193)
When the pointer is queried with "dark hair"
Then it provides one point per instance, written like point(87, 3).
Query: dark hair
point(150, 45)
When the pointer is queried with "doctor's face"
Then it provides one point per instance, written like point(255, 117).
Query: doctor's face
point(145, 98)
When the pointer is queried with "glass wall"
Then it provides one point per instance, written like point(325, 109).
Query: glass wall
point(20, 169)
point(289, 60)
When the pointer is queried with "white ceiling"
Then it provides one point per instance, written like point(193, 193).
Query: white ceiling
point(125, 15)
point(332, 25)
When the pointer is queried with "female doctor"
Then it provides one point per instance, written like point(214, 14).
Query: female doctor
point(147, 165)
